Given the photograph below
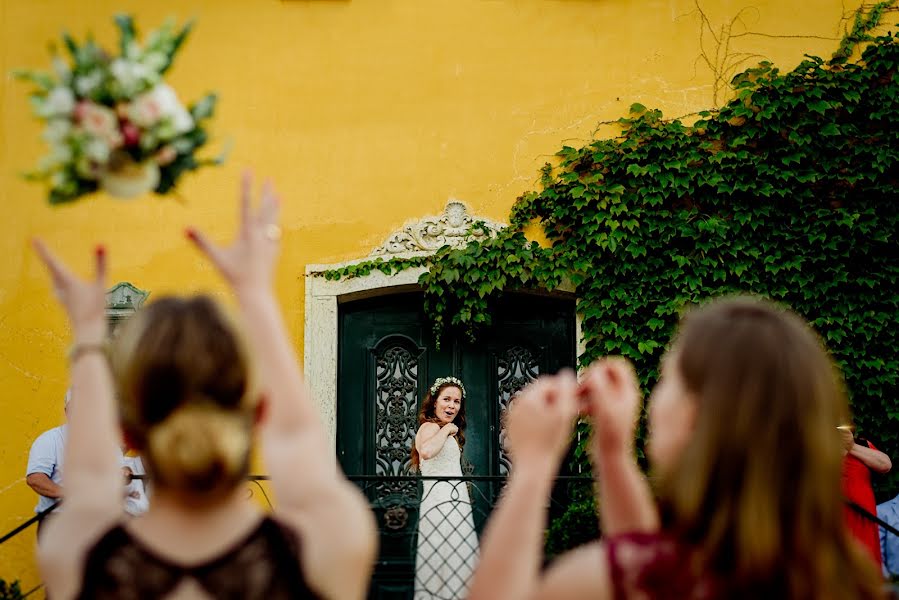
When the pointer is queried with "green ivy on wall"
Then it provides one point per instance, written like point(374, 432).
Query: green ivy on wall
point(10, 591)
point(788, 191)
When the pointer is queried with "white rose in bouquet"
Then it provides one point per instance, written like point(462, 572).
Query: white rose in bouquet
point(181, 122)
point(158, 105)
point(85, 84)
point(60, 102)
point(97, 150)
point(131, 76)
point(56, 130)
point(155, 61)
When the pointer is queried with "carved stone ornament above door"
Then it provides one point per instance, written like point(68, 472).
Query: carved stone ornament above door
point(122, 301)
point(456, 227)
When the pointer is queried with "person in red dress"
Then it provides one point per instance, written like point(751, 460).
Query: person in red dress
point(861, 457)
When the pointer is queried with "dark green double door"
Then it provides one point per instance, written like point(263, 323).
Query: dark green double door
point(387, 360)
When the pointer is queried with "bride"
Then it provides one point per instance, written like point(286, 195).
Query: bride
point(447, 543)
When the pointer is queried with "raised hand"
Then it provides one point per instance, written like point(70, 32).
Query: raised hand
point(846, 439)
point(84, 300)
point(451, 429)
point(248, 262)
point(611, 395)
point(93, 438)
point(539, 428)
point(541, 421)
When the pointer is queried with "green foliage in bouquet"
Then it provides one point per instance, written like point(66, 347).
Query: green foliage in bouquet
point(111, 120)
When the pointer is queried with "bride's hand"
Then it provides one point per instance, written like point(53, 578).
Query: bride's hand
point(84, 300)
point(248, 263)
point(451, 429)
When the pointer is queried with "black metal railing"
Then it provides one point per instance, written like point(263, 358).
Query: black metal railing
point(429, 528)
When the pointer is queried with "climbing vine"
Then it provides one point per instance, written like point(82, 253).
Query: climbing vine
point(788, 191)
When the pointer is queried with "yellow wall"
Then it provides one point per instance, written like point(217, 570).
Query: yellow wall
point(365, 112)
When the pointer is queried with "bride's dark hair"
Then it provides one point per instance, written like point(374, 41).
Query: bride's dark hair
point(427, 414)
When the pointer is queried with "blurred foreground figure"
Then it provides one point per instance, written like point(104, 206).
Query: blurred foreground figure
point(746, 457)
point(190, 403)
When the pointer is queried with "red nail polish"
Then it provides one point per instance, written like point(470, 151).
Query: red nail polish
point(101, 250)
point(190, 233)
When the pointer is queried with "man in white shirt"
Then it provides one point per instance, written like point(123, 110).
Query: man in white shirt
point(44, 472)
point(136, 501)
point(889, 542)
point(45, 468)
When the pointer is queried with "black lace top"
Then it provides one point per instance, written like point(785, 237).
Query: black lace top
point(264, 565)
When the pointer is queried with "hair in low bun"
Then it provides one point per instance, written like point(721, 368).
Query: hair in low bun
point(184, 395)
point(201, 449)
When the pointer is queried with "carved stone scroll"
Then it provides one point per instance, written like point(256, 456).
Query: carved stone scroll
point(455, 228)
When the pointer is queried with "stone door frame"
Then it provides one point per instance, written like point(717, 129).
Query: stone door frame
point(455, 227)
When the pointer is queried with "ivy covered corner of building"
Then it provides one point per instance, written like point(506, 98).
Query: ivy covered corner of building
point(788, 191)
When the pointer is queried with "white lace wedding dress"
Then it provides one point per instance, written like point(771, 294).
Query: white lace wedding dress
point(447, 548)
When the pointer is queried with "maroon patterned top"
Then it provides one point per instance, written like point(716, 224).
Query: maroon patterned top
point(653, 566)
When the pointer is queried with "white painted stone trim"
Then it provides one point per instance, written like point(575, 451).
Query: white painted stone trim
point(320, 331)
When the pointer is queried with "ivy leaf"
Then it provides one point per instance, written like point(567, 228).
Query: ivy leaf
point(819, 106)
point(450, 275)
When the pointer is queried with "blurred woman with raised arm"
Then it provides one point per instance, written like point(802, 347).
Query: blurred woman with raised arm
point(188, 403)
point(747, 461)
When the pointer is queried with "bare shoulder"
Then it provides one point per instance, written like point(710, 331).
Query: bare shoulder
point(580, 573)
point(427, 430)
point(338, 542)
point(65, 544)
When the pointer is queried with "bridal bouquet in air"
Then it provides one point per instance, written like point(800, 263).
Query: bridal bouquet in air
point(112, 122)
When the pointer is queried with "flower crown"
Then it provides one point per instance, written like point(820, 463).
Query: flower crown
point(442, 381)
